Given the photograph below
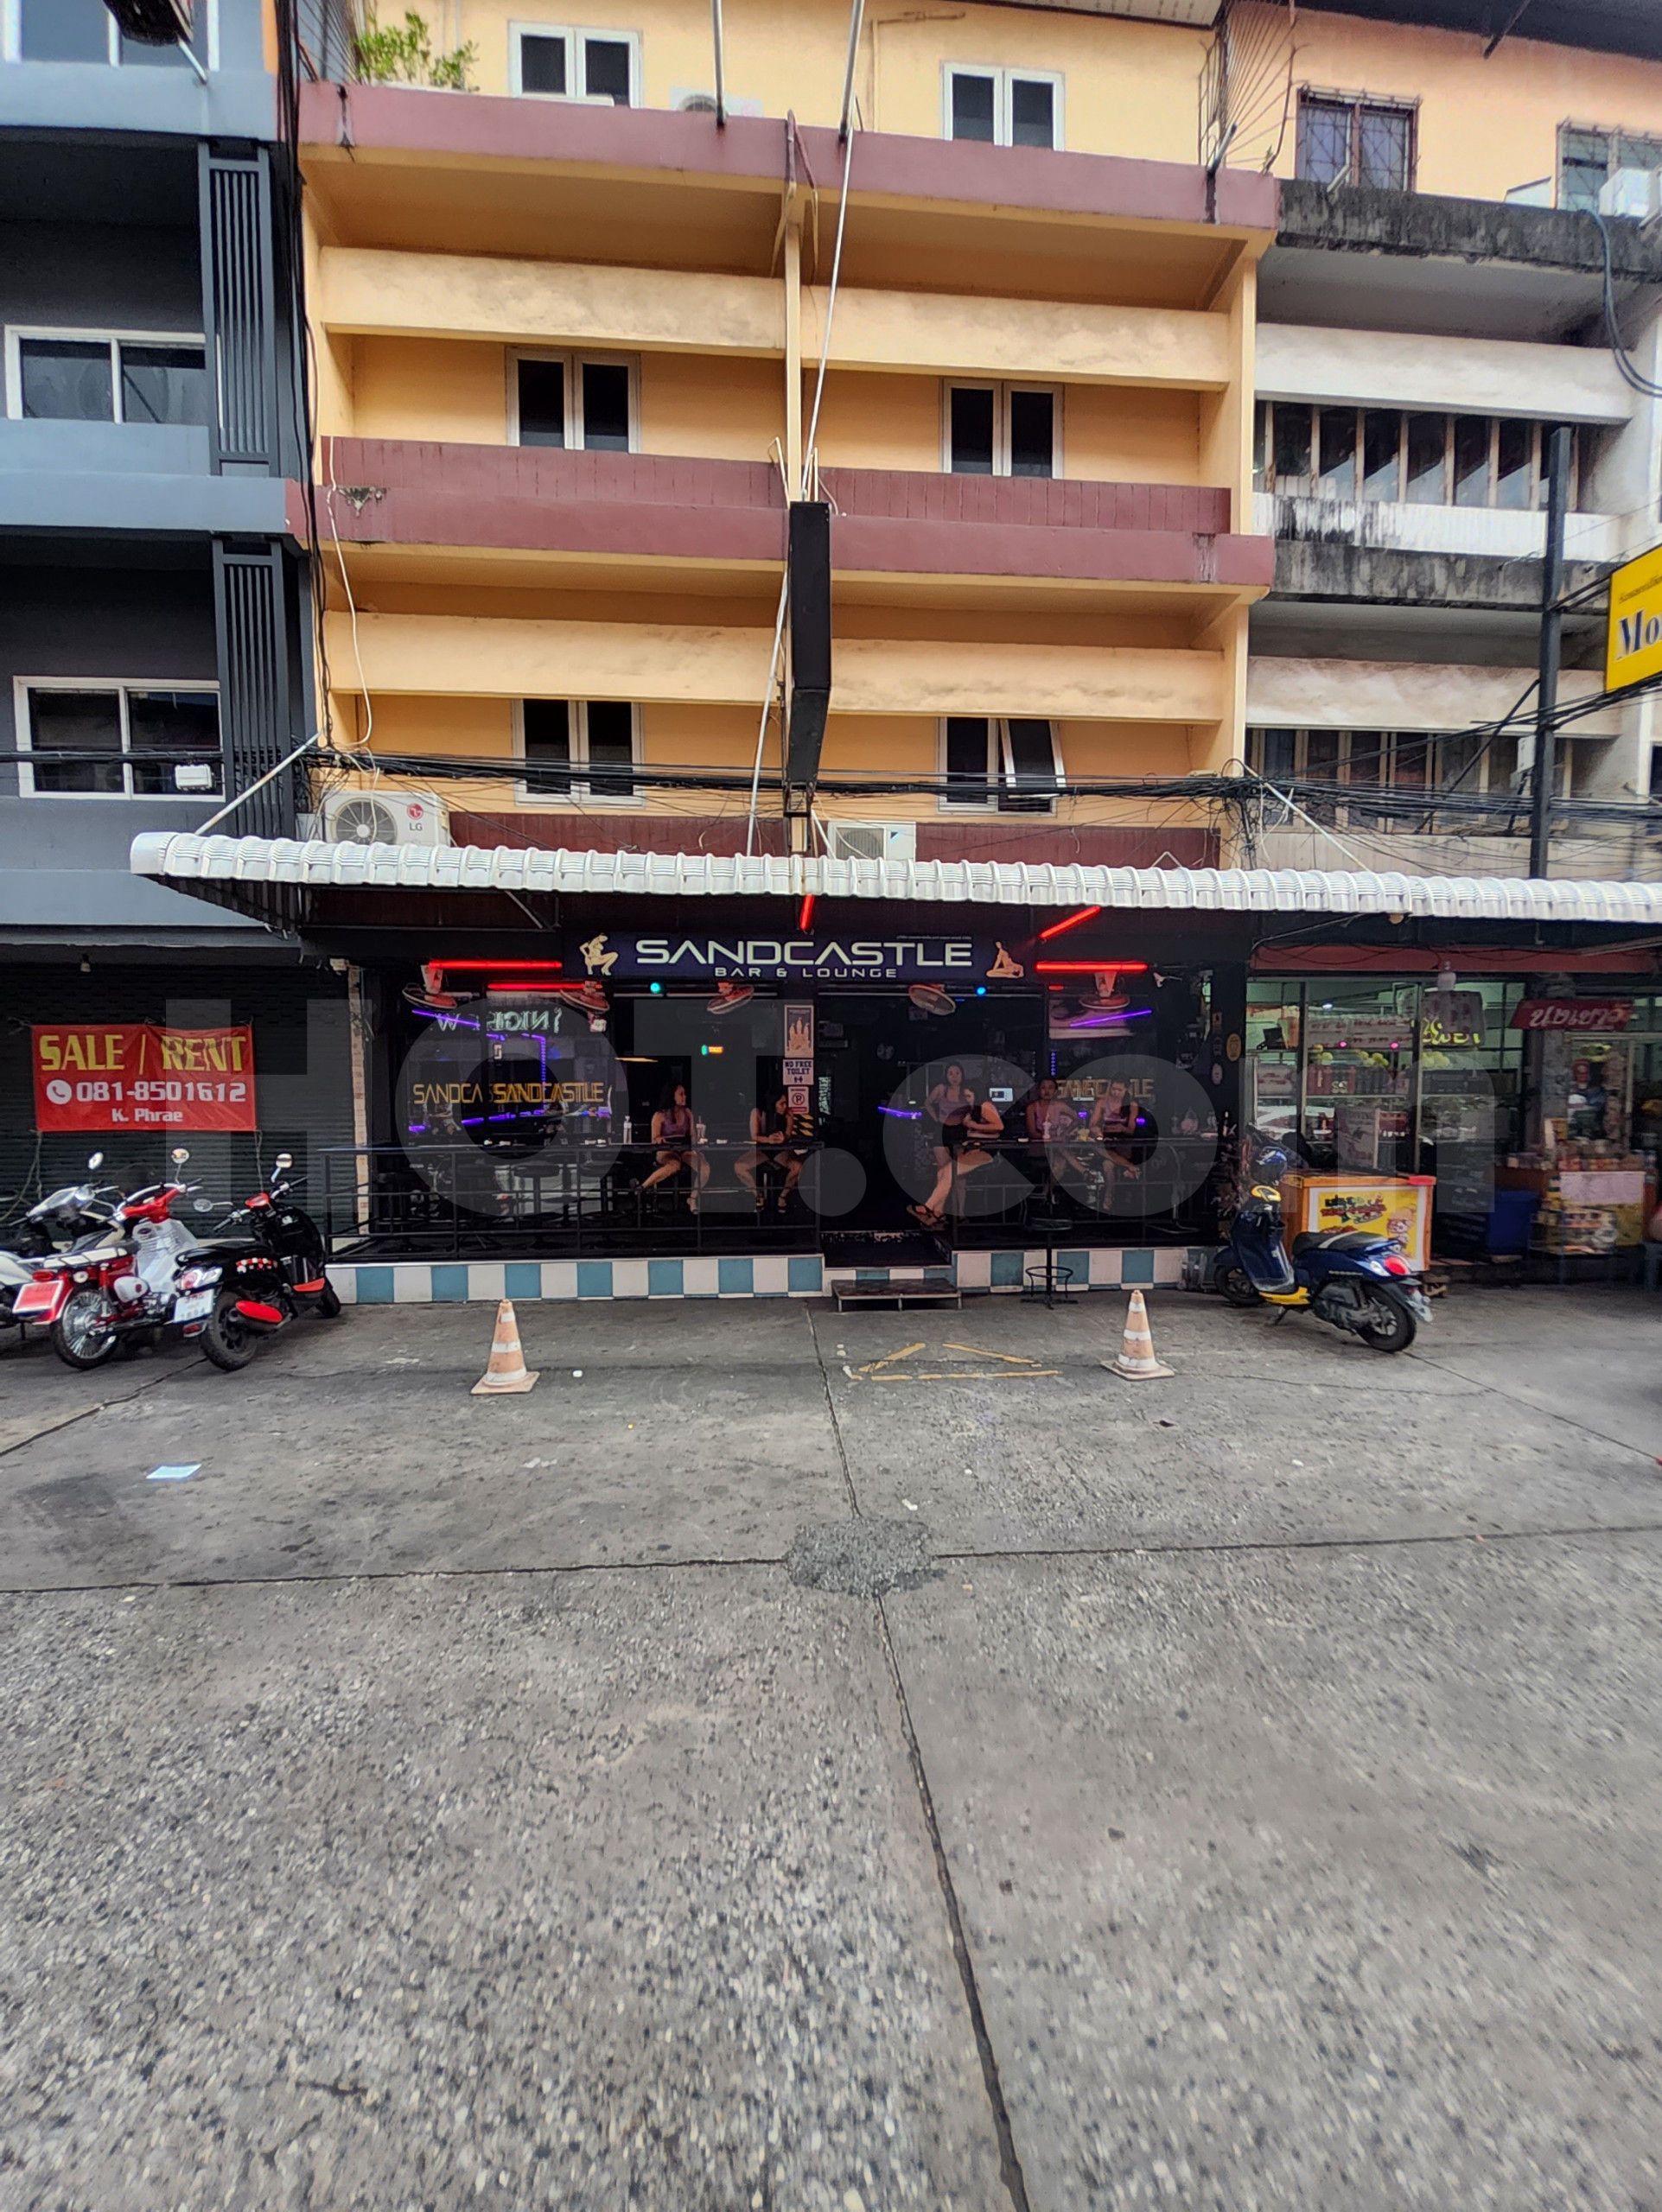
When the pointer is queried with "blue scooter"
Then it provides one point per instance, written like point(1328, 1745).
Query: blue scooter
point(1352, 1279)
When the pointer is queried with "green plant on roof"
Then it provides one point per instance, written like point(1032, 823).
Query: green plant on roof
point(390, 54)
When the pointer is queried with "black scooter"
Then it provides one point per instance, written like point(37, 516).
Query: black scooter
point(237, 1293)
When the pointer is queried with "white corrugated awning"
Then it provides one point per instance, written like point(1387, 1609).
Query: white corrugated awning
point(182, 858)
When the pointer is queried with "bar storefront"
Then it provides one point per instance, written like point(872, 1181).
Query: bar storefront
point(617, 1088)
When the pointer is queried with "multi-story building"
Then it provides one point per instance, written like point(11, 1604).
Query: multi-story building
point(771, 483)
point(1434, 304)
point(152, 660)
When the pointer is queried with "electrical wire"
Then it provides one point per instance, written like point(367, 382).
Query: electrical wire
point(809, 461)
point(1633, 375)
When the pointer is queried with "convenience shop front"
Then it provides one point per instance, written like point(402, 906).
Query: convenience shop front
point(1403, 1075)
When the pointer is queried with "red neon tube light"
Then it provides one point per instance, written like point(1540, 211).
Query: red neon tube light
point(496, 967)
point(1090, 967)
point(1071, 922)
point(806, 915)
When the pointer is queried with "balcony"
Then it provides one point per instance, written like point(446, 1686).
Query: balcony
point(126, 477)
point(889, 522)
point(159, 99)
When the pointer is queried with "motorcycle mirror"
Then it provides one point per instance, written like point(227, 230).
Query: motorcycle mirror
point(179, 1155)
point(203, 1205)
point(285, 1160)
point(95, 1160)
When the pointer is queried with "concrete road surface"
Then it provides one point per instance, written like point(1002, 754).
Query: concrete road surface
point(814, 1763)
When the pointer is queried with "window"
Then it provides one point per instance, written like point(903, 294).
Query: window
point(603, 68)
point(96, 739)
point(1004, 107)
point(584, 750)
point(1589, 159)
point(1014, 766)
point(1435, 461)
point(75, 377)
point(1332, 771)
point(1344, 140)
point(1001, 429)
point(85, 30)
point(559, 400)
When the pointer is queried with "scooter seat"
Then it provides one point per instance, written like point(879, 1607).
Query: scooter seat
point(1337, 1240)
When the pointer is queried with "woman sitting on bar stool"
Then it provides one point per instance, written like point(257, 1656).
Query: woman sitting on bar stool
point(983, 1121)
point(1113, 1123)
point(673, 1134)
point(771, 1127)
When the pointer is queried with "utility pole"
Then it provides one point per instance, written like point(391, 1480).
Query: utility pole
point(1557, 499)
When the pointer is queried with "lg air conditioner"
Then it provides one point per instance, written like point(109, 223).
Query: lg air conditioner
point(873, 841)
point(383, 818)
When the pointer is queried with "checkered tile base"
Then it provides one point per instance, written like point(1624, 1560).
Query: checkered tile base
point(460, 1282)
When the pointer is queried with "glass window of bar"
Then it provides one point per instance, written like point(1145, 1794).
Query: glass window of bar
point(1306, 451)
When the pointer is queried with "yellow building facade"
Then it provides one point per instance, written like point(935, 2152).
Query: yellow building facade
point(1082, 308)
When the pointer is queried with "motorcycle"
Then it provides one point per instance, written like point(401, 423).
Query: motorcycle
point(78, 1213)
point(232, 1294)
point(116, 1290)
point(153, 1279)
point(1352, 1279)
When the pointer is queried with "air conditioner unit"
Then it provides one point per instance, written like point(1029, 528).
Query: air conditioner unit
point(873, 841)
point(703, 103)
point(1637, 193)
point(383, 818)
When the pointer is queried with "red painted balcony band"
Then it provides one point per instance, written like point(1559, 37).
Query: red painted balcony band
point(525, 498)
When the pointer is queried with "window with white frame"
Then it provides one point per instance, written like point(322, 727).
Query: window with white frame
point(551, 63)
point(84, 376)
point(992, 765)
point(1003, 430)
point(586, 750)
point(1425, 459)
point(96, 739)
point(85, 30)
point(1004, 107)
point(587, 402)
point(1334, 770)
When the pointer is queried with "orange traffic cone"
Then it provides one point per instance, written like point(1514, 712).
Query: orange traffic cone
point(506, 1370)
point(1137, 1362)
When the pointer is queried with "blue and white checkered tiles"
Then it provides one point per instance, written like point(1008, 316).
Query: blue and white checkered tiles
point(459, 1282)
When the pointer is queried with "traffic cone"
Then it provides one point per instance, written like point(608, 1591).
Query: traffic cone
point(1137, 1362)
point(506, 1370)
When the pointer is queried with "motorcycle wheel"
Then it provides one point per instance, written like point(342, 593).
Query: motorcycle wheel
point(328, 1304)
point(226, 1339)
point(73, 1338)
point(1394, 1330)
point(1236, 1290)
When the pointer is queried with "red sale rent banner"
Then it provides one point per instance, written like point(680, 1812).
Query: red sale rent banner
point(97, 1077)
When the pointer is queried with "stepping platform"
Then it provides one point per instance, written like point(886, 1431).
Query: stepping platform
point(897, 1290)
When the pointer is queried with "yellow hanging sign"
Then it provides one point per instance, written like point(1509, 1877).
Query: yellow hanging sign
point(1633, 647)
